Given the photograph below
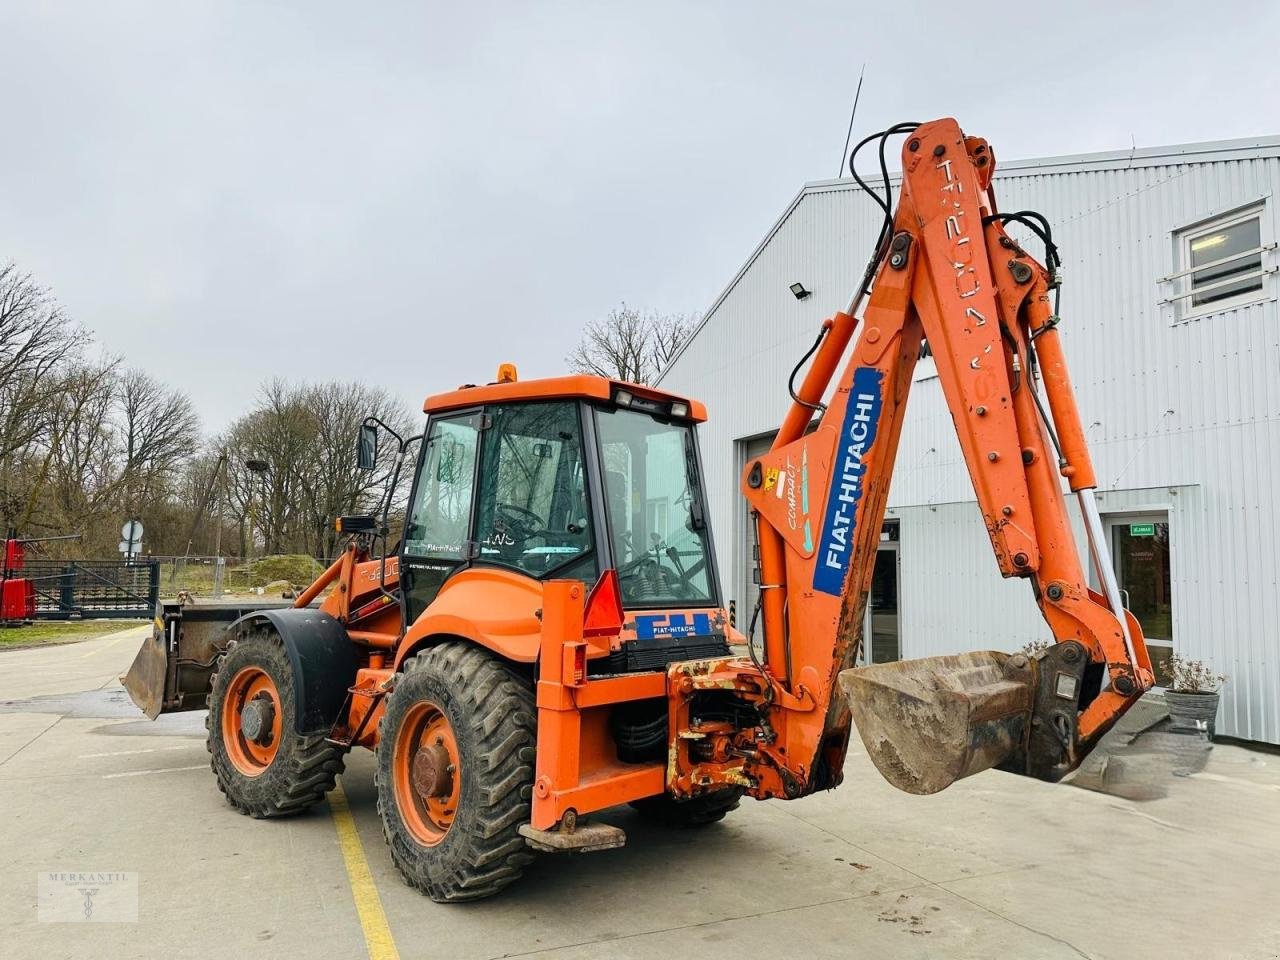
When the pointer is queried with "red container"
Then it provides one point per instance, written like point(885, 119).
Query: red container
point(13, 555)
point(17, 600)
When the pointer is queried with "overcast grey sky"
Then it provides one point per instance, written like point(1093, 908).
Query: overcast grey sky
point(413, 192)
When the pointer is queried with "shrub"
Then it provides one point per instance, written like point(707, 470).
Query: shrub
point(1193, 676)
point(298, 568)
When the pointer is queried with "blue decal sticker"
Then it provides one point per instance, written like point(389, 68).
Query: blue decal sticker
point(672, 625)
point(804, 500)
point(861, 418)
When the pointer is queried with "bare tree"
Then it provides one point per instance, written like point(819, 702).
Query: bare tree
point(36, 341)
point(35, 338)
point(279, 432)
point(158, 429)
point(85, 445)
point(71, 466)
point(628, 344)
point(334, 483)
point(306, 435)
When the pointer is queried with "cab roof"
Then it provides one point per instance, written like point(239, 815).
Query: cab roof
point(576, 387)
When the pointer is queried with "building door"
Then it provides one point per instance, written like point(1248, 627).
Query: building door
point(881, 642)
point(1140, 550)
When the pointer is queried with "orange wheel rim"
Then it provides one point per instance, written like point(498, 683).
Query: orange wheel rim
point(426, 773)
point(251, 721)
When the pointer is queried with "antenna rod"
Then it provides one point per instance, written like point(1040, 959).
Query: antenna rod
point(844, 154)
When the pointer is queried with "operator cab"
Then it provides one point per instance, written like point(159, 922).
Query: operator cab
point(564, 479)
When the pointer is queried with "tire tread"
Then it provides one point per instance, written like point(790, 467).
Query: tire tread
point(504, 716)
point(312, 765)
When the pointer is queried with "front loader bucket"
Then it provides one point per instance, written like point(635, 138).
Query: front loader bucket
point(930, 722)
point(145, 681)
point(173, 670)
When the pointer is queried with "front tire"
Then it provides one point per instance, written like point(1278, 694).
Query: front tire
point(265, 768)
point(456, 752)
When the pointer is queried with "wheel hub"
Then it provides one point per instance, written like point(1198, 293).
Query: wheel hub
point(432, 771)
point(256, 719)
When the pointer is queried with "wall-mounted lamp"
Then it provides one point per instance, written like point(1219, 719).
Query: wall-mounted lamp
point(800, 293)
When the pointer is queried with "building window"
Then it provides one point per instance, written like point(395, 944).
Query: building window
point(1226, 260)
point(1222, 264)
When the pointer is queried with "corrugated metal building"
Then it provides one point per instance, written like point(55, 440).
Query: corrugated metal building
point(1171, 328)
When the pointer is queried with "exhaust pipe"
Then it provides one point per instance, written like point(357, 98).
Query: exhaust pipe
point(927, 723)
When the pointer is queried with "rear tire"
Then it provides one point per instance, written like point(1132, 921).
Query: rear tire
point(475, 722)
point(699, 811)
point(287, 772)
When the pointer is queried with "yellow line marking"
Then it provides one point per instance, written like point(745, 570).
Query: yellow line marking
point(377, 933)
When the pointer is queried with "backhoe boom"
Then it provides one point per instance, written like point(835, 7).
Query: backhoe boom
point(947, 273)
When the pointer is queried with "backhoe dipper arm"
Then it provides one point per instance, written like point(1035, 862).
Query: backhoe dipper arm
point(950, 274)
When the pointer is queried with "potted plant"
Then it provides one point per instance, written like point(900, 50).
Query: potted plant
point(1192, 696)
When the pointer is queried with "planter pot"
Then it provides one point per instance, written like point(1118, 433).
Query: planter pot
point(1192, 711)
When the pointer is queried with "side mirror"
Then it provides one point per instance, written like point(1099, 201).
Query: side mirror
point(367, 447)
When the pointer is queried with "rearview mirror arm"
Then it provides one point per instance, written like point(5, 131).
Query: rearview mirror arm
point(383, 528)
point(377, 421)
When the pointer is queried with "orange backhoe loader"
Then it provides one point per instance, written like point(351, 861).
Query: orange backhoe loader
point(548, 638)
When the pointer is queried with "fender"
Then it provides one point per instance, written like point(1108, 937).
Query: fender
point(492, 607)
point(323, 659)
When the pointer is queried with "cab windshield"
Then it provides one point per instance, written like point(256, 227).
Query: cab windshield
point(655, 507)
point(532, 511)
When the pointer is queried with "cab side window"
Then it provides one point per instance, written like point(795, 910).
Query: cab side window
point(533, 512)
point(439, 518)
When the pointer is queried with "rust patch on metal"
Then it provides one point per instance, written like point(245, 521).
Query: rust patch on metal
point(432, 776)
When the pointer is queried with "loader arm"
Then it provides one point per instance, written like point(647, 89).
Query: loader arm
point(947, 272)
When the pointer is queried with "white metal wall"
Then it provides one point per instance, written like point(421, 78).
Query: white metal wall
point(954, 562)
point(1181, 414)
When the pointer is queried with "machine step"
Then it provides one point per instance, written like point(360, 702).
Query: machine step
point(340, 735)
point(586, 837)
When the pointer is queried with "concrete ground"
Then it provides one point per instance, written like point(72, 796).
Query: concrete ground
point(995, 866)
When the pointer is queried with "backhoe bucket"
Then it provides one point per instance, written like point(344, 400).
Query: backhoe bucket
point(930, 722)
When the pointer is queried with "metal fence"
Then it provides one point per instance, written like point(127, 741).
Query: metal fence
point(94, 588)
point(217, 577)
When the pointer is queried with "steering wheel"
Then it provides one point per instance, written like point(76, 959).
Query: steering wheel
point(522, 523)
